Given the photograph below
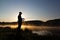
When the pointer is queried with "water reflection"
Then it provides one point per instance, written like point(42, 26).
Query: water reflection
point(36, 28)
point(41, 30)
point(11, 26)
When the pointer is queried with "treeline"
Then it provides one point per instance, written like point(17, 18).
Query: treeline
point(8, 23)
point(54, 22)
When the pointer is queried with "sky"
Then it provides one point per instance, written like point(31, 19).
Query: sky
point(31, 10)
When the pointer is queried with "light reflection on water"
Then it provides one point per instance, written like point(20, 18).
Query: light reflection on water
point(35, 29)
point(41, 28)
point(11, 26)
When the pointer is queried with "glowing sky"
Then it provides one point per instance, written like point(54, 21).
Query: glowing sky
point(31, 9)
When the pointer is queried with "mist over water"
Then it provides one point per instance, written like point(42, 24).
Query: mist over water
point(11, 26)
point(41, 30)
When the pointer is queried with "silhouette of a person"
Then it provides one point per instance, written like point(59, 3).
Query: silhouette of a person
point(19, 20)
point(18, 33)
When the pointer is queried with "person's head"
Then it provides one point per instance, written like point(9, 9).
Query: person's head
point(20, 13)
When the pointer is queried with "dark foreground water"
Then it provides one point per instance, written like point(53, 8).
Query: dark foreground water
point(8, 32)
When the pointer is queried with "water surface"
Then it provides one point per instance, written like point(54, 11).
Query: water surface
point(41, 30)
